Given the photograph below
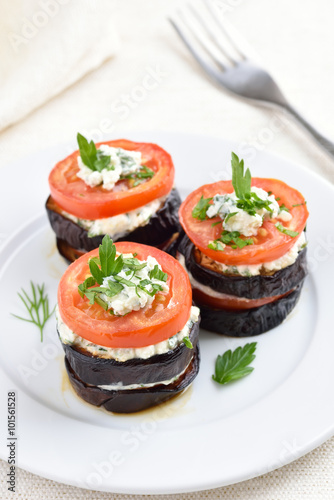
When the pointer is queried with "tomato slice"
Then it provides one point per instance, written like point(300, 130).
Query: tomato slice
point(74, 196)
point(268, 245)
point(231, 302)
point(166, 316)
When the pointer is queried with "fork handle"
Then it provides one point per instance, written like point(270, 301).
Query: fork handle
point(321, 139)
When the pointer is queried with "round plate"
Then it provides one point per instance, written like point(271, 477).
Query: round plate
point(209, 436)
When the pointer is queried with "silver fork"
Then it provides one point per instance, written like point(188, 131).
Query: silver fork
point(231, 68)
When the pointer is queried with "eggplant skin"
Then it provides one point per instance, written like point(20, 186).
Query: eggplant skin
point(160, 228)
point(100, 371)
point(254, 287)
point(249, 322)
point(134, 400)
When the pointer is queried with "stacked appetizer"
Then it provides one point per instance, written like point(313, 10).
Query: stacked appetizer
point(120, 188)
point(244, 251)
point(127, 325)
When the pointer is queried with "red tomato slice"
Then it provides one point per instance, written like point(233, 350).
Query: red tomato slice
point(231, 302)
point(166, 316)
point(74, 196)
point(268, 246)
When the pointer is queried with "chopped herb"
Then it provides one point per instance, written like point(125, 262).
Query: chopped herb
point(37, 306)
point(299, 204)
point(283, 207)
point(143, 173)
point(199, 211)
point(187, 342)
point(278, 198)
point(216, 223)
point(234, 365)
point(107, 265)
point(233, 237)
point(216, 245)
point(284, 230)
point(229, 216)
point(158, 274)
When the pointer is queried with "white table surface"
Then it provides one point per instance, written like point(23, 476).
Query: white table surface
point(295, 41)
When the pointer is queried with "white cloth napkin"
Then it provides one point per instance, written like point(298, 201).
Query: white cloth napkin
point(47, 45)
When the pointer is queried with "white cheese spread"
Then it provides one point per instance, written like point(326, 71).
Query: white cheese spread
point(121, 387)
point(121, 224)
point(121, 163)
point(131, 297)
point(241, 221)
point(286, 260)
point(67, 336)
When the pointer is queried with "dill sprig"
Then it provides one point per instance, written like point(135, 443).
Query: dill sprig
point(37, 306)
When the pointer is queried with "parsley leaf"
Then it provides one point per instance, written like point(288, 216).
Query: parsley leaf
point(240, 181)
point(284, 230)
point(233, 237)
point(187, 342)
point(234, 365)
point(216, 245)
point(231, 214)
point(110, 267)
point(91, 157)
point(88, 151)
point(95, 271)
point(158, 274)
point(199, 211)
point(144, 173)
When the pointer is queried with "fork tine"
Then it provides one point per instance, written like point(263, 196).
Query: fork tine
point(206, 44)
point(211, 71)
point(216, 40)
point(211, 6)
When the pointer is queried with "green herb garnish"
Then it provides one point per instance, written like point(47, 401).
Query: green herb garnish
point(91, 157)
point(299, 204)
point(187, 342)
point(231, 238)
point(283, 207)
point(240, 181)
point(144, 173)
point(199, 211)
point(108, 265)
point(216, 245)
point(37, 306)
point(234, 365)
point(284, 230)
point(158, 274)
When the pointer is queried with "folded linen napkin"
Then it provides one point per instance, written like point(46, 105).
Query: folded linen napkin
point(47, 45)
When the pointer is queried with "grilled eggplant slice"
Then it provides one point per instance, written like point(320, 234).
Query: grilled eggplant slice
point(94, 370)
point(128, 401)
point(254, 287)
point(73, 240)
point(249, 322)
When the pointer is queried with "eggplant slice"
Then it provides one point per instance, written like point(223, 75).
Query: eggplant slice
point(254, 287)
point(249, 322)
point(129, 401)
point(73, 240)
point(93, 370)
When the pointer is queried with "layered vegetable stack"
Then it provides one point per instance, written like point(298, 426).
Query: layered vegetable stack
point(120, 188)
point(244, 251)
point(129, 330)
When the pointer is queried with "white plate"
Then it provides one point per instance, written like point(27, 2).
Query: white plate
point(209, 436)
